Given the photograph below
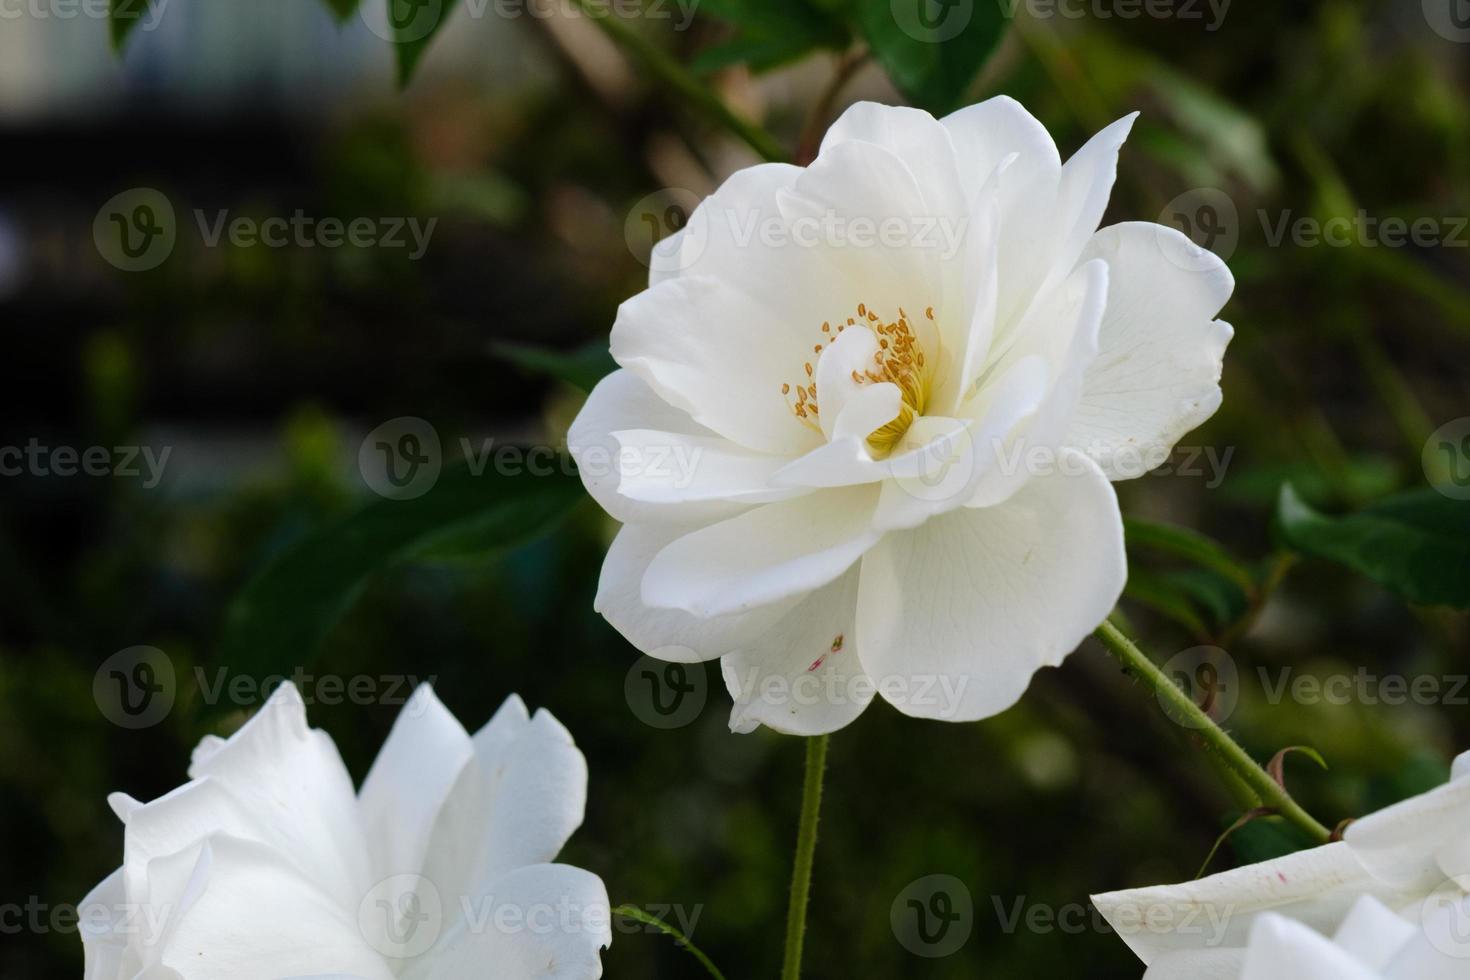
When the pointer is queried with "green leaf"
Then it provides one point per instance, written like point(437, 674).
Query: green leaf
point(1416, 544)
point(280, 618)
point(123, 16)
point(1190, 545)
point(771, 33)
point(415, 23)
point(932, 49)
point(583, 367)
point(1157, 594)
point(342, 9)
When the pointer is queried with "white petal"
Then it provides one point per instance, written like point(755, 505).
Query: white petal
point(1283, 949)
point(623, 401)
point(1372, 933)
point(515, 804)
point(410, 780)
point(874, 253)
point(297, 794)
point(765, 555)
point(1201, 964)
point(102, 921)
point(802, 676)
point(915, 137)
point(670, 468)
point(986, 133)
point(1418, 843)
point(1316, 886)
point(542, 921)
point(721, 355)
point(258, 916)
point(668, 634)
point(1062, 333)
point(975, 601)
point(1157, 373)
point(963, 461)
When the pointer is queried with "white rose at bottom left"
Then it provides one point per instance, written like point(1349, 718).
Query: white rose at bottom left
point(267, 864)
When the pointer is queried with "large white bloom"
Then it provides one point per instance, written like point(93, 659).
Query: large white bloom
point(868, 410)
point(266, 864)
point(1391, 893)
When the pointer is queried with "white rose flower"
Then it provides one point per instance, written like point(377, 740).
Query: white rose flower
point(1371, 944)
point(1403, 870)
point(266, 864)
point(868, 410)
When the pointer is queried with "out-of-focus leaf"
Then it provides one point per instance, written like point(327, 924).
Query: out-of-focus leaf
point(1152, 591)
point(1231, 138)
point(931, 49)
point(1219, 596)
point(1364, 478)
point(342, 9)
point(415, 24)
point(1416, 544)
point(279, 619)
point(771, 33)
point(123, 16)
point(583, 367)
point(1190, 545)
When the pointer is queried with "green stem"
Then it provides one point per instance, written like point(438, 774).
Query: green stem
point(1179, 705)
point(668, 71)
point(806, 849)
point(638, 915)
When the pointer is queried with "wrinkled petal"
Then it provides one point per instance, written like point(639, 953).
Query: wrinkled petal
point(721, 355)
point(290, 781)
point(959, 613)
point(802, 675)
point(1157, 373)
point(257, 915)
point(516, 803)
point(543, 921)
point(409, 781)
point(1416, 844)
point(623, 401)
point(668, 634)
point(1316, 886)
point(1284, 949)
point(765, 555)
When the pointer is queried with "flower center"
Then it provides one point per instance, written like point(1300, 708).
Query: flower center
point(899, 360)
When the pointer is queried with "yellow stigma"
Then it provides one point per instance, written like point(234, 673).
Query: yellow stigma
point(900, 360)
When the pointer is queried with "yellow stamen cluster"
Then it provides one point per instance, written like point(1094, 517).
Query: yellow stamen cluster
point(899, 360)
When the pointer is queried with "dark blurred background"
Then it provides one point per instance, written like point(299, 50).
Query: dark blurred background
point(533, 143)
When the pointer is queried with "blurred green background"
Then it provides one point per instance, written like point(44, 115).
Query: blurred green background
point(534, 143)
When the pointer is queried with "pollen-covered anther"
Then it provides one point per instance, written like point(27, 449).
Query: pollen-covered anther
point(900, 360)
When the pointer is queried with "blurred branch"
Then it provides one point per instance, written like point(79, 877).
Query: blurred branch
point(668, 71)
point(816, 121)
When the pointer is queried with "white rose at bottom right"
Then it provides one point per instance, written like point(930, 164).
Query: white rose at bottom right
point(1390, 901)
